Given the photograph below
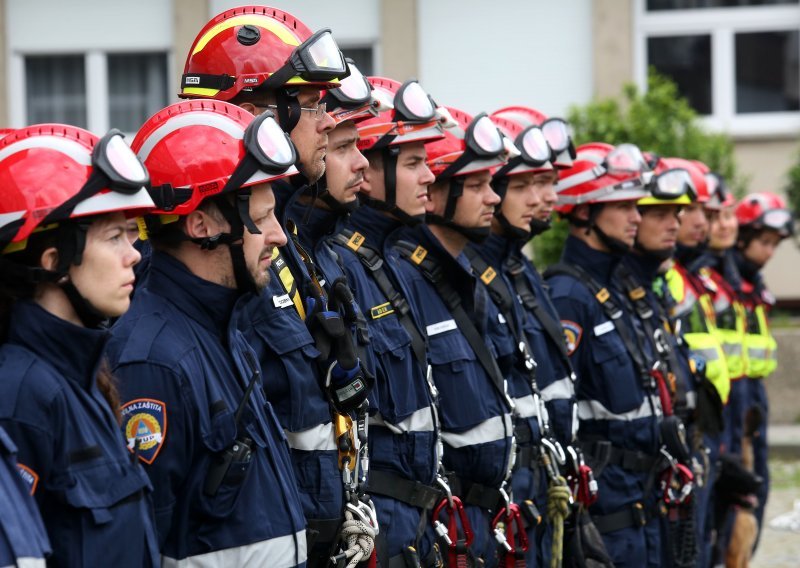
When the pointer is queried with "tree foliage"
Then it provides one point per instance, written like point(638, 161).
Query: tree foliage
point(658, 120)
point(793, 188)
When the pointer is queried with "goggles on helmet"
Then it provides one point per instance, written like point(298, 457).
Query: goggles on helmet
point(718, 192)
point(533, 146)
point(557, 134)
point(778, 220)
point(268, 149)
point(671, 184)
point(353, 91)
point(483, 141)
point(625, 159)
point(318, 59)
point(411, 102)
point(114, 166)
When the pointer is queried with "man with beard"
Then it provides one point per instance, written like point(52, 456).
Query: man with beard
point(193, 409)
point(403, 424)
point(475, 410)
point(263, 58)
point(540, 368)
point(618, 402)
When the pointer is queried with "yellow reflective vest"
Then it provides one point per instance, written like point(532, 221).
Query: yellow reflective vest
point(694, 310)
point(759, 343)
point(731, 321)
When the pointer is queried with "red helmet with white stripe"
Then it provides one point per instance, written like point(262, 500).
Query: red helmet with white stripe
point(50, 173)
point(555, 130)
point(764, 210)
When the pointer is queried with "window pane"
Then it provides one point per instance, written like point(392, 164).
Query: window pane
point(56, 89)
point(137, 88)
point(655, 5)
point(767, 72)
point(363, 58)
point(687, 61)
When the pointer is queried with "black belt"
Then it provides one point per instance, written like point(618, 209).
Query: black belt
point(602, 454)
point(634, 515)
point(472, 493)
point(399, 488)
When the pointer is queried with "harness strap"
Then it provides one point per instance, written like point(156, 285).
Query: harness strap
point(401, 489)
point(476, 494)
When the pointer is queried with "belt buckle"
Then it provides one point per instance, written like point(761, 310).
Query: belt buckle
point(639, 516)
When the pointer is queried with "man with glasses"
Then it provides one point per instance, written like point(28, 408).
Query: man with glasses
point(263, 58)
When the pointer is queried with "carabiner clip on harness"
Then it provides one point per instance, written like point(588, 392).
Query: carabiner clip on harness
point(457, 536)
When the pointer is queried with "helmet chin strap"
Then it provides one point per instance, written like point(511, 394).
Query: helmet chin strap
point(288, 109)
point(658, 254)
point(474, 234)
point(538, 226)
point(389, 156)
point(509, 230)
point(615, 246)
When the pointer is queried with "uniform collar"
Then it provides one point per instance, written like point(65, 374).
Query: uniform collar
point(495, 249)
point(73, 350)
point(315, 224)
point(597, 263)
point(644, 266)
point(748, 270)
point(374, 225)
point(207, 303)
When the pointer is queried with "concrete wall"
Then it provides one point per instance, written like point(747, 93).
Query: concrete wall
point(189, 17)
point(612, 46)
point(3, 66)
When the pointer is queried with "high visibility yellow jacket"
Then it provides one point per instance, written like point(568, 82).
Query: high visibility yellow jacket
point(694, 310)
point(731, 321)
point(760, 345)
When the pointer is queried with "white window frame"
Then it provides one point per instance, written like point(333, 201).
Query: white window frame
point(96, 72)
point(722, 24)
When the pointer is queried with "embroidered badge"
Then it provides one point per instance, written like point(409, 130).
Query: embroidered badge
point(29, 476)
point(145, 422)
point(488, 275)
point(572, 335)
point(419, 255)
point(379, 311)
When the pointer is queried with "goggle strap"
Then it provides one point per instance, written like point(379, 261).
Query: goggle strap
point(581, 177)
point(205, 81)
point(234, 240)
point(279, 78)
point(243, 207)
point(97, 181)
point(166, 197)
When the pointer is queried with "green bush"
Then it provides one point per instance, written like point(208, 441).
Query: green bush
point(658, 120)
point(793, 188)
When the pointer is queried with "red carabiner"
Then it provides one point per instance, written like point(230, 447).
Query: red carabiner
point(514, 530)
point(457, 547)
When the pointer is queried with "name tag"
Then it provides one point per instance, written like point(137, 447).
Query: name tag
point(282, 301)
point(603, 328)
point(441, 327)
point(500, 318)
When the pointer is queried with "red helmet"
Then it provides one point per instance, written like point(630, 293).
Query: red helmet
point(198, 149)
point(602, 173)
point(52, 172)
point(555, 130)
point(765, 210)
point(409, 115)
point(257, 46)
point(719, 196)
point(474, 145)
point(666, 184)
point(696, 175)
point(533, 154)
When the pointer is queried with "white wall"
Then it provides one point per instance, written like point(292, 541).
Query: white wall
point(353, 22)
point(479, 55)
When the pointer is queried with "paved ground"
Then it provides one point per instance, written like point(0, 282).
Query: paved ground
point(781, 548)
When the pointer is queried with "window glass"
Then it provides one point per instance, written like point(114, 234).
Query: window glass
point(137, 88)
point(656, 5)
point(767, 72)
point(55, 89)
point(687, 61)
point(363, 58)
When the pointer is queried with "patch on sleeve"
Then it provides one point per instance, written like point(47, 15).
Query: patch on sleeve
point(145, 421)
point(29, 476)
point(572, 335)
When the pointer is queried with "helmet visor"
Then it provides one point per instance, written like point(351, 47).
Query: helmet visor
point(672, 184)
point(534, 146)
point(266, 141)
point(626, 159)
point(412, 103)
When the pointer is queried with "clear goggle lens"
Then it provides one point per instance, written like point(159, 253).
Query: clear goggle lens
point(486, 136)
point(325, 54)
point(556, 133)
point(535, 145)
point(355, 87)
point(273, 143)
point(674, 183)
point(415, 102)
point(124, 162)
point(626, 159)
point(778, 219)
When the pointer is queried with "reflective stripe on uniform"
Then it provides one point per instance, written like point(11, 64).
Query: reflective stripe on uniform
point(279, 552)
point(526, 407)
point(319, 438)
point(709, 353)
point(691, 400)
point(491, 430)
point(30, 563)
point(757, 352)
point(732, 349)
point(596, 410)
point(420, 421)
point(563, 389)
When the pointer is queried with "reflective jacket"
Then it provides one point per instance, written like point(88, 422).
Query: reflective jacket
point(695, 311)
point(760, 345)
point(24, 541)
point(723, 281)
point(183, 369)
point(93, 499)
